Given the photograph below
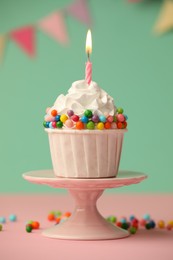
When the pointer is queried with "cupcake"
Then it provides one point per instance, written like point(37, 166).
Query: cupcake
point(85, 132)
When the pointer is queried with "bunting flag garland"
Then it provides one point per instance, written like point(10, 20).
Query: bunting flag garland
point(79, 10)
point(165, 21)
point(54, 26)
point(25, 38)
point(2, 46)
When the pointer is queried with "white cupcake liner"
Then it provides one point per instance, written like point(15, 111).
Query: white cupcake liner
point(85, 153)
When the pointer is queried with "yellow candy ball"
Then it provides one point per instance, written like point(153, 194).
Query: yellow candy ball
point(63, 118)
point(170, 223)
point(161, 224)
point(100, 126)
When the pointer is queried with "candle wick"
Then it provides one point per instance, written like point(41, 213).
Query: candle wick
point(88, 54)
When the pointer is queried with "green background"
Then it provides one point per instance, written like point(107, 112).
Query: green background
point(129, 62)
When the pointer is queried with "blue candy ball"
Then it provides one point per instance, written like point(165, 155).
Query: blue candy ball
point(50, 125)
point(131, 217)
point(123, 220)
point(126, 117)
point(47, 124)
point(57, 118)
point(152, 224)
point(146, 217)
point(84, 119)
point(12, 218)
point(102, 118)
point(2, 220)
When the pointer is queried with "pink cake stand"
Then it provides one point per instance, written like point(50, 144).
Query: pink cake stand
point(86, 223)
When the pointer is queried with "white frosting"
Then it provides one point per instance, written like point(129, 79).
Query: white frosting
point(81, 97)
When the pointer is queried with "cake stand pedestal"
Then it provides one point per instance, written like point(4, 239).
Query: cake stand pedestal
point(86, 223)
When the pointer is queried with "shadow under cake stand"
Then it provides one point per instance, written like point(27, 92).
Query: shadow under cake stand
point(86, 223)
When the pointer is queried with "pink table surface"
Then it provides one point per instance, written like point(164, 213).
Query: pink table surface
point(16, 244)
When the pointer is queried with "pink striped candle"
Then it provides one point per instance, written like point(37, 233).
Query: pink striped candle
point(88, 68)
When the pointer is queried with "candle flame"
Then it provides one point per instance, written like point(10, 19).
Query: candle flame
point(88, 43)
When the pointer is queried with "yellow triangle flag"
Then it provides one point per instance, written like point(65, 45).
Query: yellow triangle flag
point(2, 46)
point(165, 21)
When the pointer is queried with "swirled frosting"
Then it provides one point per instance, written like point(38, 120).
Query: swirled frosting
point(82, 96)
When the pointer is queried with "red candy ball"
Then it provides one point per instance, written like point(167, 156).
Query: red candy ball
point(54, 124)
point(119, 125)
point(75, 118)
point(107, 125)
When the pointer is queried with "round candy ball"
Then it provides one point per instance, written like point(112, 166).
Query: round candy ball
point(132, 230)
point(54, 112)
point(102, 118)
point(120, 125)
point(123, 220)
point(100, 126)
point(126, 117)
point(148, 225)
point(57, 118)
point(111, 219)
point(79, 125)
point(110, 119)
point(63, 118)
point(120, 118)
point(146, 217)
point(51, 217)
point(12, 217)
point(84, 119)
point(114, 118)
point(161, 224)
point(88, 113)
point(90, 125)
point(70, 113)
point(59, 124)
point(95, 118)
point(125, 225)
point(170, 223)
point(69, 123)
point(54, 124)
point(50, 125)
point(35, 225)
point(1, 227)
point(152, 223)
point(169, 227)
point(28, 228)
point(107, 125)
point(45, 124)
point(75, 118)
point(114, 125)
point(132, 217)
point(120, 110)
point(2, 220)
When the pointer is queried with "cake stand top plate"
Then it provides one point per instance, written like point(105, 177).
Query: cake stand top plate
point(47, 177)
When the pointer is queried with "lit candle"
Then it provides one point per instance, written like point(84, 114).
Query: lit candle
point(88, 69)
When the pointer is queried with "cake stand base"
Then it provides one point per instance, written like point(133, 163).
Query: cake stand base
point(86, 223)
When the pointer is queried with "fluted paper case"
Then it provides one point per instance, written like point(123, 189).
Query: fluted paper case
point(85, 153)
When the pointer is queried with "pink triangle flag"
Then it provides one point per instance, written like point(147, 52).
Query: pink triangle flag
point(54, 26)
point(80, 11)
point(25, 38)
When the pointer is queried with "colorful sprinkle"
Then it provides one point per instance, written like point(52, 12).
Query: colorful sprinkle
point(12, 217)
point(63, 118)
point(88, 113)
point(90, 125)
point(54, 112)
point(79, 125)
point(2, 220)
point(100, 126)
